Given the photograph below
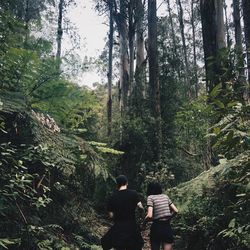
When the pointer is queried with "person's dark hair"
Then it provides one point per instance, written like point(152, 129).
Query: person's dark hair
point(154, 188)
point(121, 180)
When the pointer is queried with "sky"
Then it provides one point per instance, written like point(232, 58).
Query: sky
point(92, 31)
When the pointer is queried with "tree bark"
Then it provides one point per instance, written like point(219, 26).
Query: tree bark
point(239, 88)
point(124, 59)
point(26, 22)
point(220, 34)
point(138, 88)
point(227, 25)
point(213, 33)
point(59, 32)
point(194, 49)
point(173, 38)
point(213, 39)
point(110, 68)
point(154, 77)
point(246, 15)
point(182, 27)
point(139, 33)
point(131, 40)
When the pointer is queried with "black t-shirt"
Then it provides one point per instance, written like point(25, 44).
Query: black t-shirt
point(123, 204)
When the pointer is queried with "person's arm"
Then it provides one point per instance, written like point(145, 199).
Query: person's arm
point(149, 214)
point(110, 208)
point(173, 209)
point(139, 205)
point(150, 205)
point(147, 218)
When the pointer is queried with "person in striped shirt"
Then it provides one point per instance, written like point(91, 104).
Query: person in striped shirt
point(160, 210)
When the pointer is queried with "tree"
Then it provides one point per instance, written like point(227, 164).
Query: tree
point(139, 86)
point(154, 76)
point(195, 66)
point(59, 32)
point(139, 16)
point(175, 55)
point(122, 26)
point(131, 40)
point(227, 24)
point(246, 14)
point(238, 48)
point(111, 37)
point(187, 72)
point(213, 32)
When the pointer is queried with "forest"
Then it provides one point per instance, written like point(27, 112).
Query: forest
point(173, 106)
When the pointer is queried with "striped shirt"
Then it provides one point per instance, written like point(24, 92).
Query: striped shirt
point(160, 204)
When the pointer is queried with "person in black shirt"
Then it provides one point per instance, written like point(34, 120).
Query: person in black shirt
point(124, 234)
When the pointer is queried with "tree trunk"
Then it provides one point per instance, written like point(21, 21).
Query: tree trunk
point(140, 71)
point(59, 32)
point(187, 72)
point(154, 77)
point(173, 38)
point(124, 60)
point(239, 88)
point(139, 33)
point(227, 25)
point(246, 15)
point(131, 39)
point(220, 26)
point(194, 50)
point(27, 19)
point(213, 39)
point(111, 32)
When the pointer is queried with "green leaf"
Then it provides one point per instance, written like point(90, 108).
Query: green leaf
point(215, 91)
point(232, 223)
point(219, 104)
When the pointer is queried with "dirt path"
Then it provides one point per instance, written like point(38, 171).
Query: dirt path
point(145, 235)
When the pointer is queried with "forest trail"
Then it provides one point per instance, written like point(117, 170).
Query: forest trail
point(145, 235)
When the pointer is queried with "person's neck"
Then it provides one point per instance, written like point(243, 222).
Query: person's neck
point(123, 187)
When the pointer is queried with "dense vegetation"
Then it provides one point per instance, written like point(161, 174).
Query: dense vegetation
point(178, 112)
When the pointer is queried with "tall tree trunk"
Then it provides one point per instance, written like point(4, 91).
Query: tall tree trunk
point(139, 33)
point(227, 24)
point(246, 15)
point(220, 25)
point(111, 32)
point(154, 77)
point(59, 32)
point(213, 39)
point(27, 19)
point(173, 38)
point(187, 72)
point(194, 49)
point(140, 71)
point(239, 49)
point(131, 40)
point(124, 59)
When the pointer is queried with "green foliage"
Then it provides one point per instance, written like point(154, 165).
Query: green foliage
point(214, 208)
point(40, 177)
point(231, 134)
point(75, 108)
point(191, 125)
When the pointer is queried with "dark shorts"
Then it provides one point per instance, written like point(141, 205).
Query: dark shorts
point(161, 231)
point(123, 235)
